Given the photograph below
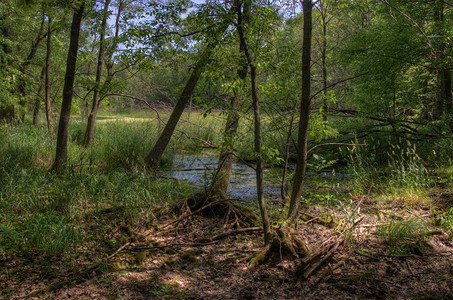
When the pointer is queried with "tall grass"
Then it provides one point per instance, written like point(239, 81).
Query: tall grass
point(47, 213)
point(362, 169)
point(408, 176)
point(392, 167)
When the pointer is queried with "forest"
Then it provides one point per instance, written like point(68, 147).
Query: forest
point(235, 149)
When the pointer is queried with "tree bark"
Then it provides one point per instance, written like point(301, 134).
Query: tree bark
point(61, 155)
point(304, 115)
point(152, 160)
point(257, 121)
point(47, 84)
point(89, 132)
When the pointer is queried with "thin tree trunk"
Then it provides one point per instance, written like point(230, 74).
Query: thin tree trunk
point(257, 124)
point(109, 62)
point(21, 82)
point(38, 98)
point(323, 9)
point(448, 97)
point(283, 185)
point(47, 85)
point(439, 57)
point(89, 133)
point(304, 116)
point(61, 155)
point(152, 161)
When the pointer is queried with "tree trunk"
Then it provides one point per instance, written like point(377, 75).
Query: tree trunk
point(448, 97)
point(257, 121)
point(61, 155)
point(38, 99)
point(304, 116)
point(47, 85)
point(89, 133)
point(323, 10)
point(226, 158)
point(152, 161)
point(23, 67)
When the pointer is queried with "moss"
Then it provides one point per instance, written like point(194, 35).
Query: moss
point(189, 256)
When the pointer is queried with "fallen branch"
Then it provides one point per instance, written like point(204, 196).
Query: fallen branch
point(230, 232)
point(311, 265)
point(140, 248)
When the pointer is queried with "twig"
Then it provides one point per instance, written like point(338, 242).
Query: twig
point(139, 248)
point(409, 268)
point(333, 144)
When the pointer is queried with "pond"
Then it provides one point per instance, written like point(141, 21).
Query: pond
point(199, 169)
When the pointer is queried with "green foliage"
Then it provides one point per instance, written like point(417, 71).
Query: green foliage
point(445, 219)
point(42, 212)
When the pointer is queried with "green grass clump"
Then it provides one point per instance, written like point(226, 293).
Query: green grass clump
point(402, 236)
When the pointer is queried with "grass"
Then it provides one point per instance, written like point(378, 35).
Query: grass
point(401, 177)
point(404, 236)
point(105, 188)
point(44, 213)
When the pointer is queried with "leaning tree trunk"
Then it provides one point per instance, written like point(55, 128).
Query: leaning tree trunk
point(61, 155)
point(152, 161)
point(224, 170)
point(89, 133)
point(23, 69)
point(47, 84)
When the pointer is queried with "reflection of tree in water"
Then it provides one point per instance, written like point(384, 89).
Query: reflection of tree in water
point(200, 169)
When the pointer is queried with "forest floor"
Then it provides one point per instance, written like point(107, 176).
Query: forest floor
point(383, 257)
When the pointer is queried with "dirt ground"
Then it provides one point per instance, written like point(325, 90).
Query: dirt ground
point(171, 263)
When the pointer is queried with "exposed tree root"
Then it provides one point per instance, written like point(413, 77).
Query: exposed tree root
point(234, 214)
point(284, 242)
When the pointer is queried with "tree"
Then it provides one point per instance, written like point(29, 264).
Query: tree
point(244, 16)
point(152, 160)
point(89, 133)
point(223, 174)
point(61, 155)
